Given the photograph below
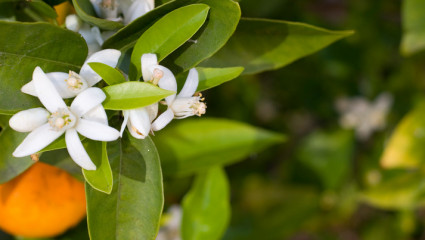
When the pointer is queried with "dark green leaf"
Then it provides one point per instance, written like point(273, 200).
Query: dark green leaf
point(101, 178)
point(259, 45)
point(413, 17)
point(23, 46)
point(10, 166)
point(43, 8)
point(131, 95)
point(134, 207)
point(193, 145)
point(212, 77)
point(206, 207)
point(4, 121)
point(109, 74)
point(60, 158)
point(167, 34)
point(86, 12)
point(223, 18)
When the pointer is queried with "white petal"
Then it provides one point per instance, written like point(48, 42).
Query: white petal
point(58, 79)
point(136, 10)
point(108, 56)
point(168, 82)
point(163, 119)
point(190, 85)
point(96, 6)
point(148, 60)
point(38, 139)
point(133, 131)
point(46, 91)
point(87, 100)
point(97, 35)
point(96, 131)
point(29, 89)
point(151, 3)
point(152, 110)
point(28, 120)
point(126, 114)
point(77, 151)
point(97, 114)
point(85, 31)
point(73, 22)
point(139, 119)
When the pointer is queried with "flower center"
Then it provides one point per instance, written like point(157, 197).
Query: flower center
point(108, 4)
point(157, 75)
point(186, 107)
point(62, 119)
point(74, 81)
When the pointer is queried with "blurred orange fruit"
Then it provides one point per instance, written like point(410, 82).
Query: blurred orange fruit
point(44, 201)
point(63, 10)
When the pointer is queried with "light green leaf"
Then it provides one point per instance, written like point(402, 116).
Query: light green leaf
point(405, 148)
point(413, 18)
point(223, 18)
point(259, 45)
point(86, 12)
point(101, 178)
point(206, 207)
point(189, 146)
point(109, 74)
point(404, 191)
point(167, 34)
point(134, 207)
point(23, 46)
point(10, 166)
point(61, 159)
point(131, 95)
point(328, 154)
point(212, 77)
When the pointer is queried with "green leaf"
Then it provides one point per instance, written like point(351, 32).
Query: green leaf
point(328, 154)
point(23, 46)
point(413, 18)
point(193, 145)
point(167, 34)
point(109, 74)
point(212, 77)
point(134, 207)
point(131, 95)
point(4, 121)
point(206, 207)
point(10, 166)
point(405, 148)
point(85, 11)
point(223, 18)
point(60, 158)
point(101, 178)
point(259, 45)
point(43, 8)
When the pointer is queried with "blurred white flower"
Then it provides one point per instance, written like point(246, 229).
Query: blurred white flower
point(45, 126)
point(171, 228)
point(70, 84)
point(130, 9)
point(183, 105)
point(364, 116)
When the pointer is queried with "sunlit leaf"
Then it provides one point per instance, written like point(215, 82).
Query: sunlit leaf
point(101, 178)
point(206, 207)
point(259, 45)
point(109, 74)
point(413, 17)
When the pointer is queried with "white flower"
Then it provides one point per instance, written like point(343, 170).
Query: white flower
point(171, 229)
point(45, 126)
point(130, 9)
point(184, 105)
point(139, 120)
point(70, 84)
point(94, 38)
point(365, 117)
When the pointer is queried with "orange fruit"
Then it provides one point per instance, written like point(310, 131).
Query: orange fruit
point(63, 10)
point(44, 201)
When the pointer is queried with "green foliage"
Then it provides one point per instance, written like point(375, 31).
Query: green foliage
point(328, 155)
point(10, 166)
point(167, 34)
point(86, 12)
point(130, 95)
point(413, 17)
point(109, 74)
point(23, 46)
point(211, 142)
point(43, 8)
point(206, 207)
point(101, 178)
point(134, 207)
point(259, 45)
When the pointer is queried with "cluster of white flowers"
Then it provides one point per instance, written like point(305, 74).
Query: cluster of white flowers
point(364, 116)
point(86, 114)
